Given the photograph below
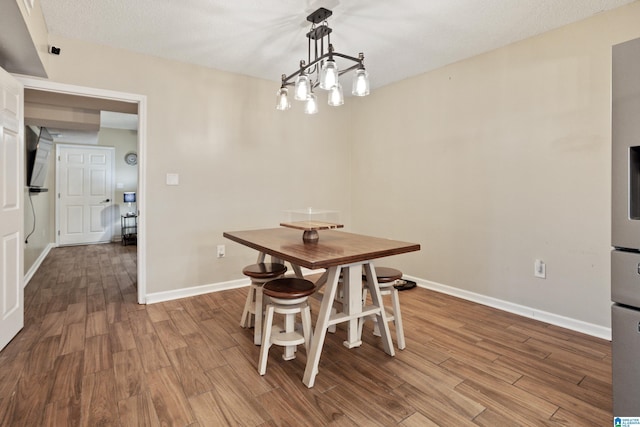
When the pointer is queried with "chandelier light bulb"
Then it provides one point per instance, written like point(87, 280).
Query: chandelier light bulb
point(360, 83)
point(282, 99)
point(328, 74)
point(336, 96)
point(302, 88)
point(311, 106)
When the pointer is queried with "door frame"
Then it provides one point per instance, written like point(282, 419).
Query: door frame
point(111, 150)
point(141, 100)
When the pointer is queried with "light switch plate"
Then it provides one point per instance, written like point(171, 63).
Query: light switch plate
point(540, 269)
point(173, 179)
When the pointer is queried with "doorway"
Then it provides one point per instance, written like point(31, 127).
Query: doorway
point(107, 99)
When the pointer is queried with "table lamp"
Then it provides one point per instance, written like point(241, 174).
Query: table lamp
point(130, 197)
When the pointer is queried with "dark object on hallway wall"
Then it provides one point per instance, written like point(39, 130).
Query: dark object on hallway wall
point(39, 144)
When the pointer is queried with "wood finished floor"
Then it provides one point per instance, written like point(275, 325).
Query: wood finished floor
point(90, 356)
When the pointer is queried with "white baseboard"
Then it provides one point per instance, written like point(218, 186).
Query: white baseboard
point(29, 275)
point(195, 290)
point(205, 289)
point(532, 313)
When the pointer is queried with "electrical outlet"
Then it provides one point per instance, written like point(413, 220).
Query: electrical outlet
point(540, 269)
point(221, 251)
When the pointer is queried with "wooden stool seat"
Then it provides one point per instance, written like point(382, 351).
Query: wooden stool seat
point(289, 288)
point(387, 277)
point(287, 296)
point(264, 270)
point(254, 305)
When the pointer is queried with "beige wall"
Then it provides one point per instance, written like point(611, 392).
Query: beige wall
point(39, 217)
point(123, 141)
point(241, 162)
point(37, 28)
point(498, 160)
point(490, 163)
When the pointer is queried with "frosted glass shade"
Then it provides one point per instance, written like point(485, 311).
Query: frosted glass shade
point(282, 99)
point(336, 96)
point(302, 88)
point(311, 106)
point(328, 74)
point(360, 83)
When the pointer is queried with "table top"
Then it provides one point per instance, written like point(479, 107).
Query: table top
point(334, 247)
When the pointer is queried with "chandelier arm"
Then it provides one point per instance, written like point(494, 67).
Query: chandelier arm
point(304, 68)
point(346, 70)
point(342, 55)
point(286, 80)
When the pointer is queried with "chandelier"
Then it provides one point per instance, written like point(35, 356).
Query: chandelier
point(321, 71)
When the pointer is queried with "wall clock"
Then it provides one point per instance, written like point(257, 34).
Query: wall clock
point(131, 158)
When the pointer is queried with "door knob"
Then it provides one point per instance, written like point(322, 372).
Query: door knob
point(106, 201)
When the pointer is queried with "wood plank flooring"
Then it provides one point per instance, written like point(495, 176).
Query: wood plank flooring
point(89, 355)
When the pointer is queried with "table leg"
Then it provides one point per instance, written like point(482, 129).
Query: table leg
point(381, 317)
point(352, 303)
point(313, 357)
point(296, 268)
point(298, 271)
point(322, 280)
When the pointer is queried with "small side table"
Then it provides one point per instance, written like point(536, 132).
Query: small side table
point(129, 228)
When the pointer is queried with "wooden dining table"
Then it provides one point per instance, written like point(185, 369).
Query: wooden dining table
point(339, 253)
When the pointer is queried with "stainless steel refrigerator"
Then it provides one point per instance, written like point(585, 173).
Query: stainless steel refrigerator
point(625, 229)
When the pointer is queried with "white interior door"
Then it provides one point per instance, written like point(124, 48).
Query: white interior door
point(85, 194)
point(11, 212)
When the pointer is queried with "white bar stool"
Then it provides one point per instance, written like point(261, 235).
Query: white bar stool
point(254, 305)
point(387, 278)
point(288, 296)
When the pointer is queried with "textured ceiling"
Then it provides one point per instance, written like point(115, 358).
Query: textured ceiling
point(266, 38)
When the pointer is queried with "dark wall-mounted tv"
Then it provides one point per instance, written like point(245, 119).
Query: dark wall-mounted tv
point(39, 145)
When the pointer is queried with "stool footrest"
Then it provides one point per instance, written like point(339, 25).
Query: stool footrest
point(279, 337)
